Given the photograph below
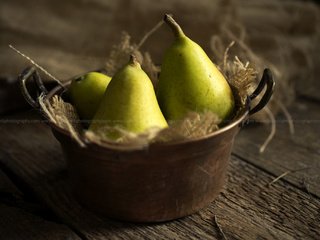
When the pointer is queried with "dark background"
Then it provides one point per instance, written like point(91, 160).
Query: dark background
point(72, 37)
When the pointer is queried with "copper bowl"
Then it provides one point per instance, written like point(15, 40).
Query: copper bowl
point(161, 182)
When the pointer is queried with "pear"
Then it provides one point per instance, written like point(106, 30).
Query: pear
point(86, 92)
point(129, 103)
point(189, 81)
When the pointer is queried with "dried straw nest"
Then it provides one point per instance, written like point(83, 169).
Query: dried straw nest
point(242, 78)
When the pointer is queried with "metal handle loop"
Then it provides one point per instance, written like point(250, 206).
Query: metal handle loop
point(27, 74)
point(266, 80)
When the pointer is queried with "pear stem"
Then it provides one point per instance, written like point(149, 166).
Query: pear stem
point(133, 60)
point(168, 19)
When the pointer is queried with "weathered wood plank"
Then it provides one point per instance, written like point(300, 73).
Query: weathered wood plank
point(7, 187)
point(19, 220)
point(247, 209)
point(287, 152)
point(16, 224)
point(10, 92)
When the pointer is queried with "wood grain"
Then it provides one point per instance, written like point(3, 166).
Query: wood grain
point(247, 208)
point(287, 152)
point(16, 224)
point(7, 187)
point(20, 220)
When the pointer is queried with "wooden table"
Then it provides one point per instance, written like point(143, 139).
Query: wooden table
point(274, 195)
point(35, 201)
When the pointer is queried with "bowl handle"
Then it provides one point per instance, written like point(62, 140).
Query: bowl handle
point(266, 80)
point(28, 74)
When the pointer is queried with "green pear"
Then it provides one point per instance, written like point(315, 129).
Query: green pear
point(86, 93)
point(129, 103)
point(189, 81)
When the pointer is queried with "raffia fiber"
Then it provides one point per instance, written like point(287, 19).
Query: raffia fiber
point(63, 115)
